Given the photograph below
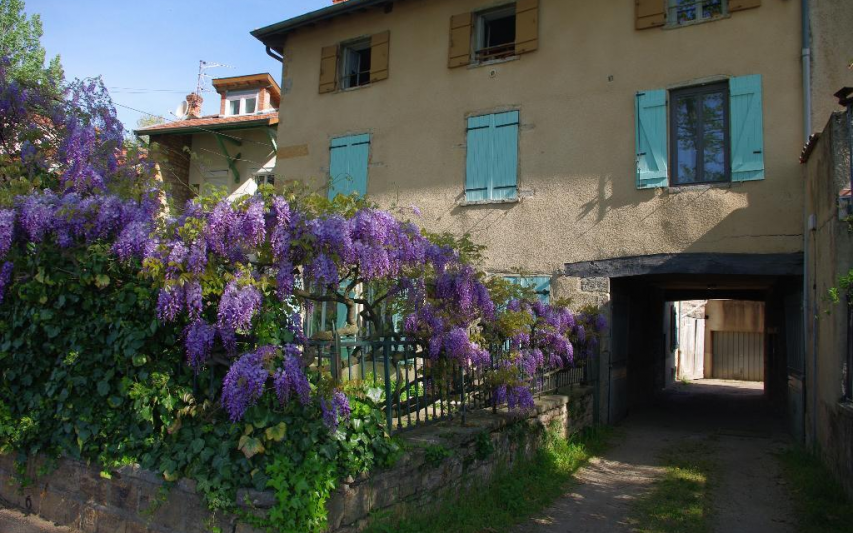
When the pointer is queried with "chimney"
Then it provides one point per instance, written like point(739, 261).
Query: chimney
point(194, 102)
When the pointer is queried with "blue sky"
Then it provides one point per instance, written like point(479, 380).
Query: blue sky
point(148, 52)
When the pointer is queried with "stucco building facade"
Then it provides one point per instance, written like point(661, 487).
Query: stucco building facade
point(630, 153)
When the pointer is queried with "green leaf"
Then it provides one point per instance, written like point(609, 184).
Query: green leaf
point(102, 281)
point(276, 433)
point(103, 388)
point(139, 360)
point(250, 446)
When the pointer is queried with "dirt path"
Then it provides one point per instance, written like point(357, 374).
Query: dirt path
point(748, 497)
point(13, 521)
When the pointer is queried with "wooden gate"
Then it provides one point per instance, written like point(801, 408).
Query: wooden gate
point(738, 355)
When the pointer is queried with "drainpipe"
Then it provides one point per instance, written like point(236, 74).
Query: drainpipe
point(272, 53)
point(807, 71)
point(807, 223)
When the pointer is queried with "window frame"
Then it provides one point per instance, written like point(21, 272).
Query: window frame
point(242, 97)
point(346, 50)
point(672, 141)
point(478, 35)
point(672, 13)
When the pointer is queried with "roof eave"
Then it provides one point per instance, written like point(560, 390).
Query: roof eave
point(266, 33)
point(269, 121)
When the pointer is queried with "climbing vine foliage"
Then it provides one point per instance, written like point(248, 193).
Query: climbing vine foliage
point(129, 334)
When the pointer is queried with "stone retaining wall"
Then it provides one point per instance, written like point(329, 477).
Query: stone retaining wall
point(442, 459)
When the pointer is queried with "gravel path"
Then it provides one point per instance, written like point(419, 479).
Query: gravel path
point(749, 497)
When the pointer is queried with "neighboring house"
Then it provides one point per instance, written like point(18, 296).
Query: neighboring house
point(233, 151)
point(623, 155)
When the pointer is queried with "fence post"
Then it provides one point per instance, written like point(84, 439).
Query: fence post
point(386, 352)
point(462, 372)
point(335, 362)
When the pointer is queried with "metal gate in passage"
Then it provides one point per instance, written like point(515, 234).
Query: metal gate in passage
point(738, 355)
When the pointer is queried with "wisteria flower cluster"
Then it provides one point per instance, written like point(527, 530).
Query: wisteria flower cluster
point(78, 184)
point(549, 337)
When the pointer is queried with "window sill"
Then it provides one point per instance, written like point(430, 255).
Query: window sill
point(692, 187)
point(359, 88)
point(467, 203)
point(672, 26)
point(479, 64)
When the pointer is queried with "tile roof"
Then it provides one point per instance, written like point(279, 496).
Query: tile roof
point(213, 123)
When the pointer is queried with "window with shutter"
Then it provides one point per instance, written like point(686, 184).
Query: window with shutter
point(716, 134)
point(495, 33)
point(348, 165)
point(651, 149)
point(492, 160)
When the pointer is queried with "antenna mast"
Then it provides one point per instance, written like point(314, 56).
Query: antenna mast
point(203, 66)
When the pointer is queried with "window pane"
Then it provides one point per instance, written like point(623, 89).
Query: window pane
point(712, 8)
point(250, 105)
point(686, 123)
point(714, 136)
point(235, 107)
point(685, 11)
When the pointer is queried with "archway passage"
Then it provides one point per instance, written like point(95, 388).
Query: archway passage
point(735, 337)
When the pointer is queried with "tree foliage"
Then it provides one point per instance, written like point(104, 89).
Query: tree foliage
point(20, 42)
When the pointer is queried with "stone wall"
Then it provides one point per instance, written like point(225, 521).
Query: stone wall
point(131, 500)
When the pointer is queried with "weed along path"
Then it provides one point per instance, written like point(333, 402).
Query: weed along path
point(703, 459)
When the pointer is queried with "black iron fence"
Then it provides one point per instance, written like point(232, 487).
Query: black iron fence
point(419, 390)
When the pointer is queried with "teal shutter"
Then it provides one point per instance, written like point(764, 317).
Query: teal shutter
point(505, 160)
point(492, 161)
point(747, 128)
point(651, 140)
point(348, 161)
point(479, 152)
point(540, 284)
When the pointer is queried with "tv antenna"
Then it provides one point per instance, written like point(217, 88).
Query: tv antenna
point(203, 67)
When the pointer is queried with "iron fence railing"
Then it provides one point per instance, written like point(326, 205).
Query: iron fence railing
point(419, 390)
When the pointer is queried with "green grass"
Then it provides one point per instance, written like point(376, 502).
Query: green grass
point(681, 501)
point(512, 495)
point(822, 506)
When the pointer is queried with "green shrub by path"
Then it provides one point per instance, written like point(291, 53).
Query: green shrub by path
point(820, 501)
point(512, 495)
point(681, 501)
point(89, 372)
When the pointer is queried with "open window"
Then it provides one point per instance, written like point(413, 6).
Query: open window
point(356, 63)
point(495, 34)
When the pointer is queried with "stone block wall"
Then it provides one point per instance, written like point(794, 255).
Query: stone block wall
point(132, 500)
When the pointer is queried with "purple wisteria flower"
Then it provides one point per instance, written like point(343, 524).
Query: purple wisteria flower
point(245, 381)
point(198, 341)
point(170, 303)
point(335, 410)
point(238, 306)
point(7, 228)
point(291, 380)
point(5, 277)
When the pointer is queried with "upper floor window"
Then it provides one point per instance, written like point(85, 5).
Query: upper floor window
point(355, 63)
point(498, 33)
point(495, 34)
point(715, 134)
point(689, 11)
point(241, 103)
point(700, 134)
point(355, 67)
